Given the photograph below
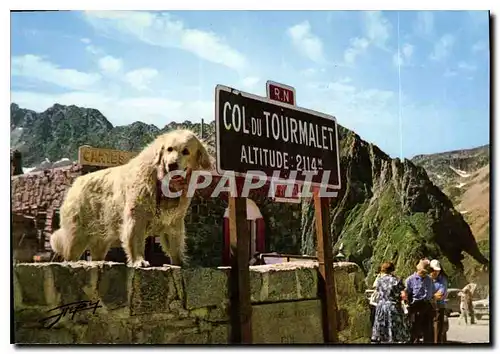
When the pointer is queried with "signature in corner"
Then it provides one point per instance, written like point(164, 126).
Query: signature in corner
point(72, 309)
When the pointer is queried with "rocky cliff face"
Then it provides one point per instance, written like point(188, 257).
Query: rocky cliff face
point(386, 210)
point(390, 210)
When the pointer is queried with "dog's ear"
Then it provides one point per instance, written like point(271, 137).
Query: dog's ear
point(203, 158)
point(160, 166)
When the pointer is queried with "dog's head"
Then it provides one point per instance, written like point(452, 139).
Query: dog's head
point(180, 150)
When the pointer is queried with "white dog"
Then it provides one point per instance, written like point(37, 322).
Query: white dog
point(125, 203)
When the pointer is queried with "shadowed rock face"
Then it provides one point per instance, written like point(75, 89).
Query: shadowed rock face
point(390, 210)
point(386, 210)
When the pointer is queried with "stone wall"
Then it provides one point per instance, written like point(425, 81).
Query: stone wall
point(174, 305)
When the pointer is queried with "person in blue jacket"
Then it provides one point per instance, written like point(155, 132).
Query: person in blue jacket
point(440, 283)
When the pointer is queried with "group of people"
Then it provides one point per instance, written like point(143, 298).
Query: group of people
point(409, 311)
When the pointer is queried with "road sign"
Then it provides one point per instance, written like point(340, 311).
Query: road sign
point(257, 134)
point(90, 156)
point(280, 92)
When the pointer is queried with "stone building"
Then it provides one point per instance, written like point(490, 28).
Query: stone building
point(36, 198)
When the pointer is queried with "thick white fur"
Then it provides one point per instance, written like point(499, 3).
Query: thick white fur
point(119, 204)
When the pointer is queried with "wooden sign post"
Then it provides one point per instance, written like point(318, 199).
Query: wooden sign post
point(241, 307)
point(325, 262)
point(271, 135)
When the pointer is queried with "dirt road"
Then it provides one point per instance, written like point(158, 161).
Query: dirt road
point(476, 333)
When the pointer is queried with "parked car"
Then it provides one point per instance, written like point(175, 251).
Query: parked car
point(481, 308)
point(452, 301)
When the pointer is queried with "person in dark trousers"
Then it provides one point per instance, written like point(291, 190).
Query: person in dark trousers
point(420, 290)
point(440, 282)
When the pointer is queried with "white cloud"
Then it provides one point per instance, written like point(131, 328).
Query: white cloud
point(357, 47)
point(479, 46)
point(345, 80)
point(160, 29)
point(35, 67)
point(306, 42)
point(140, 79)
point(250, 82)
point(404, 58)
point(377, 31)
point(424, 24)
point(466, 66)
point(94, 50)
point(408, 50)
point(110, 65)
point(377, 28)
point(85, 40)
point(443, 47)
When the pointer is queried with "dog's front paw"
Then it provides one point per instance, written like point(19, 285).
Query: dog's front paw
point(141, 263)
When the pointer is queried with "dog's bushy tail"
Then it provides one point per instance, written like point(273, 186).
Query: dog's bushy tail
point(57, 243)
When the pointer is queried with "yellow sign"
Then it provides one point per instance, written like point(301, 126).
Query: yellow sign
point(90, 156)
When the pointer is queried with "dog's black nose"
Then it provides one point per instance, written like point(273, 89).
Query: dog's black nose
point(173, 167)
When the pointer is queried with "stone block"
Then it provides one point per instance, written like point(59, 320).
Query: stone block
point(287, 322)
point(354, 320)
point(75, 281)
point(194, 337)
point(35, 283)
point(353, 313)
point(113, 285)
point(200, 313)
point(284, 281)
point(177, 308)
point(220, 334)
point(150, 287)
point(43, 336)
point(162, 332)
point(218, 314)
point(178, 291)
point(104, 331)
point(205, 287)
point(29, 317)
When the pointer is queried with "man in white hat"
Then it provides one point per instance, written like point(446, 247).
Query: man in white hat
point(440, 282)
point(419, 290)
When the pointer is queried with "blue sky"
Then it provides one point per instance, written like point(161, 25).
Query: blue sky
point(162, 66)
